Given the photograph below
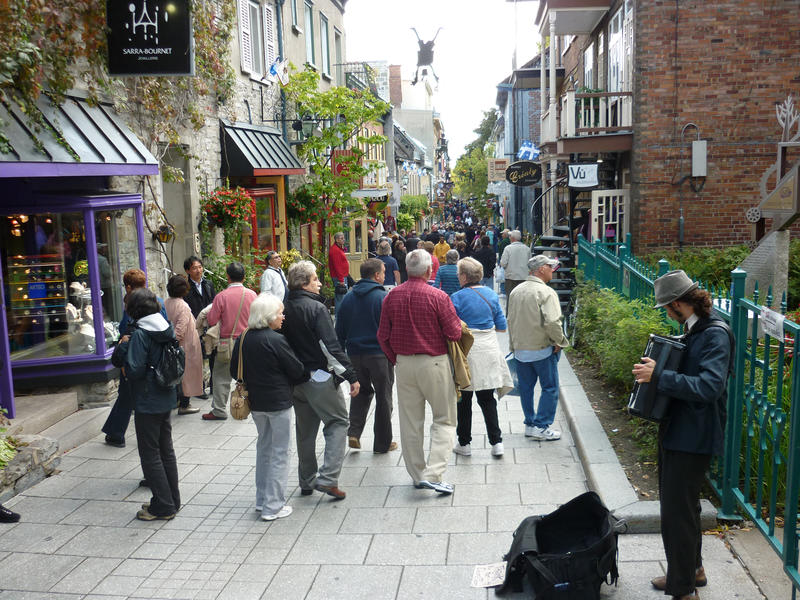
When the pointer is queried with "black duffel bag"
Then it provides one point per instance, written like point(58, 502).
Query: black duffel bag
point(567, 554)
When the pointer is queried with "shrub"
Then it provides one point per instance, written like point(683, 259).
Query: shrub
point(712, 266)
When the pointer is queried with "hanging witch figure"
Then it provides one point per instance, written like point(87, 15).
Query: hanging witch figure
point(425, 57)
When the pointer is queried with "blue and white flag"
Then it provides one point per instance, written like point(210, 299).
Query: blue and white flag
point(279, 70)
point(528, 151)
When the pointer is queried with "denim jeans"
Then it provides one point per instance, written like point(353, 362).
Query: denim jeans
point(546, 372)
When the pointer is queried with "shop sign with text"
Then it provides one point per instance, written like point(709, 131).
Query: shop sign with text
point(497, 168)
point(583, 176)
point(149, 37)
point(524, 173)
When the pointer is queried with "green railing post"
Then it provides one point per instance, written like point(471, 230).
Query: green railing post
point(624, 253)
point(595, 275)
point(733, 428)
point(663, 267)
point(629, 241)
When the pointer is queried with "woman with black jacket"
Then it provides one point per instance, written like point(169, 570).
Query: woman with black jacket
point(153, 403)
point(269, 369)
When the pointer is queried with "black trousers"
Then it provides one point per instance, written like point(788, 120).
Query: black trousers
point(120, 415)
point(681, 476)
point(159, 463)
point(489, 408)
point(375, 378)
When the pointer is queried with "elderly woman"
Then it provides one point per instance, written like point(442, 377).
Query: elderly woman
point(270, 369)
point(447, 275)
point(392, 268)
point(273, 281)
point(179, 314)
point(479, 307)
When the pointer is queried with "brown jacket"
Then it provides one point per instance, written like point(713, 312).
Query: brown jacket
point(457, 351)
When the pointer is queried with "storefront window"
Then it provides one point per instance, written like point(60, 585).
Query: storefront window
point(117, 251)
point(45, 271)
point(359, 245)
point(265, 224)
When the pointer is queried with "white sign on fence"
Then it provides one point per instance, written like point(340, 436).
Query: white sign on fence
point(772, 322)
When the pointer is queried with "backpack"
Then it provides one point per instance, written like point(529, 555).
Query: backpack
point(567, 554)
point(168, 372)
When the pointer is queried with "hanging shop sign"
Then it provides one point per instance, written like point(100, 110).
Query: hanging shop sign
point(524, 173)
point(583, 176)
point(149, 37)
point(497, 168)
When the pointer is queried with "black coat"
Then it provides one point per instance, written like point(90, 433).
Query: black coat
point(696, 417)
point(307, 323)
point(270, 369)
point(486, 256)
point(197, 301)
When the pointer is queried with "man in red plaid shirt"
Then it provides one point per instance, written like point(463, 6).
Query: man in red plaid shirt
point(416, 322)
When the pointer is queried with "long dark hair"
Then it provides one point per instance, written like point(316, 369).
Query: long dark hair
point(700, 301)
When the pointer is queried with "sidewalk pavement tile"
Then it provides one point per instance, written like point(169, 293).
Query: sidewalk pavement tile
point(327, 517)
point(507, 518)
point(252, 572)
point(292, 582)
point(555, 492)
point(477, 548)
point(566, 472)
point(114, 469)
point(531, 473)
point(115, 542)
point(48, 596)
point(462, 474)
point(486, 494)
point(56, 486)
point(446, 519)
point(386, 476)
point(97, 488)
point(378, 520)
point(210, 442)
point(103, 513)
point(337, 549)
point(355, 582)
point(201, 456)
point(243, 590)
point(408, 549)
point(350, 476)
point(40, 538)
point(43, 510)
point(86, 576)
point(538, 453)
point(198, 473)
point(408, 495)
point(271, 550)
point(24, 571)
point(137, 567)
point(439, 582)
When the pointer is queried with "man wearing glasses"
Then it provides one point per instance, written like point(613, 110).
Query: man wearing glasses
point(536, 339)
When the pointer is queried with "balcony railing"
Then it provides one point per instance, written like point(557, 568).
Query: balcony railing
point(596, 113)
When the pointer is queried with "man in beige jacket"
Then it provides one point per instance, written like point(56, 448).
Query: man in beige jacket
point(515, 261)
point(536, 339)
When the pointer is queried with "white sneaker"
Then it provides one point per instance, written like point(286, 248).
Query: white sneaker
point(283, 512)
point(530, 430)
point(547, 434)
point(465, 450)
point(497, 449)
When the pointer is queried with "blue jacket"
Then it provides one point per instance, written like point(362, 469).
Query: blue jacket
point(447, 279)
point(144, 351)
point(696, 418)
point(358, 318)
point(125, 321)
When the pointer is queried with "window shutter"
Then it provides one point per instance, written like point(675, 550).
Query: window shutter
point(269, 36)
point(217, 4)
point(245, 42)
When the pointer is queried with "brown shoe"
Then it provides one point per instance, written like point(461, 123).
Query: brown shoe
point(354, 442)
point(210, 416)
point(660, 583)
point(331, 490)
point(392, 446)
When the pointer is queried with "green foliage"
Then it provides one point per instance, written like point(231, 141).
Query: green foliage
point(405, 221)
point(7, 447)
point(344, 113)
point(414, 206)
point(471, 174)
point(484, 131)
point(712, 266)
point(793, 291)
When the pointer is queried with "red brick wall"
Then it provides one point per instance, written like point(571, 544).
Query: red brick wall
point(735, 60)
point(395, 85)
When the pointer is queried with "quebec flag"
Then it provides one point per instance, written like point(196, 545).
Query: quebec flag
point(279, 70)
point(527, 151)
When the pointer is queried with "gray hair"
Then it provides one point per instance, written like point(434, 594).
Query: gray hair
point(300, 274)
point(451, 257)
point(471, 269)
point(384, 249)
point(337, 235)
point(515, 235)
point(417, 263)
point(264, 309)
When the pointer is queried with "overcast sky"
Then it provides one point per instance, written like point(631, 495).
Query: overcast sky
point(471, 56)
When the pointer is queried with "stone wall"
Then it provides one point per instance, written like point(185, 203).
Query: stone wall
point(37, 457)
point(723, 66)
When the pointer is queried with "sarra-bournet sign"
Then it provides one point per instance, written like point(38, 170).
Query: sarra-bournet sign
point(149, 37)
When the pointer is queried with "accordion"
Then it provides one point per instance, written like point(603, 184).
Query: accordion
point(646, 401)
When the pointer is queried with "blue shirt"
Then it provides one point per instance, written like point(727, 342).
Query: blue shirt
point(447, 279)
point(479, 308)
point(391, 267)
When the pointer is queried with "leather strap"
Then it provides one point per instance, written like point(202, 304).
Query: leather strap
point(241, 345)
point(236, 320)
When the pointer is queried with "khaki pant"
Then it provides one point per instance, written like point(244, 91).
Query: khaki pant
point(420, 379)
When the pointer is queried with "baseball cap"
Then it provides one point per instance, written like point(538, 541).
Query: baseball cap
point(540, 260)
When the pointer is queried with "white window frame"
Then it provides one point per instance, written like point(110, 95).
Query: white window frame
point(325, 44)
point(616, 59)
point(264, 30)
point(588, 67)
point(293, 9)
point(338, 44)
point(309, 23)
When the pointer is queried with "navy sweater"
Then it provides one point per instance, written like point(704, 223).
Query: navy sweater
point(358, 318)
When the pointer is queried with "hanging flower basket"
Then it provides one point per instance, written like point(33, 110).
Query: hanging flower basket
point(228, 208)
point(307, 208)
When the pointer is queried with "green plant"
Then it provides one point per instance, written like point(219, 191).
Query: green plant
point(405, 221)
point(231, 210)
point(7, 446)
point(712, 266)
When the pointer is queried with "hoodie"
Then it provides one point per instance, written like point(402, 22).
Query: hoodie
point(358, 318)
point(143, 352)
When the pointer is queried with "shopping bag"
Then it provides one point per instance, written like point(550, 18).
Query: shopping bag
point(512, 366)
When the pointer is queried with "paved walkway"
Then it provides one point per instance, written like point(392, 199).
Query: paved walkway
point(79, 538)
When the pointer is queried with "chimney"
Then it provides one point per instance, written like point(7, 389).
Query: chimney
point(395, 86)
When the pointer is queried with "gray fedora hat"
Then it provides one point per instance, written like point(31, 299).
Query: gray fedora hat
point(672, 286)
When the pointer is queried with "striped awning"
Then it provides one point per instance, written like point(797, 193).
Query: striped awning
point(253, 150)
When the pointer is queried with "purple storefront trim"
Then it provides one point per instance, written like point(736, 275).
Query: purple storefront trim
point(140, 227)
point(48, 169)
point(6, 387)
point(94, 279)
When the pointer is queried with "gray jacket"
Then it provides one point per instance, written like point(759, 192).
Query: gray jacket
point(515, 261)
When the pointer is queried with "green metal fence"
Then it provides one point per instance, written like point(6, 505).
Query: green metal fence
point(758, 477)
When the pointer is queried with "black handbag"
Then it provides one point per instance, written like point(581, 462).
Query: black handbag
point(567, 554)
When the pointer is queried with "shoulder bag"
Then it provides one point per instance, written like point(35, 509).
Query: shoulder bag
point(240, 403)
point(225, 345)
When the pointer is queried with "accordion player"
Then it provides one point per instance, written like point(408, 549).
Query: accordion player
point(646, 401)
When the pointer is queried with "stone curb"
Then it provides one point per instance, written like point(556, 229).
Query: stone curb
point(604, 473)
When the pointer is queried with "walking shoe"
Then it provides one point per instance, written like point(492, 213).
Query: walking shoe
point(437, 486)
point(530, 430)
point(497, 449)
point(306, 492)
point(700, 580)
point(331, 490)
point(354, 442)
point(258, 508)
point(465, 450)
point(143, 483)
point(392, 446)
point(283, 512)
point(210, 416)
point(188, 409)
point(8, 516)
point(112, 441)
point(546, 434)
point(146, 515)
